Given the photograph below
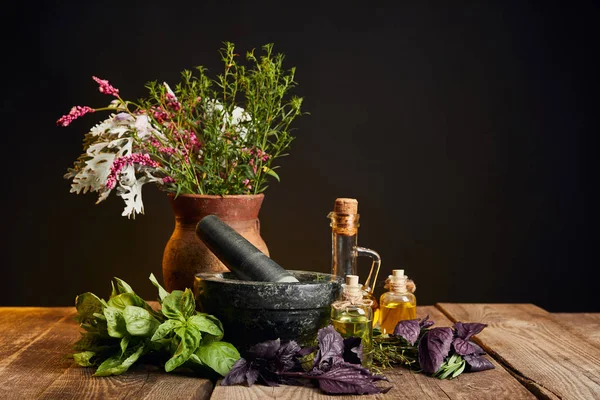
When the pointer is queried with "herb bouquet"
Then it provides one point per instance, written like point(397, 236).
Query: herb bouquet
point(216, 136)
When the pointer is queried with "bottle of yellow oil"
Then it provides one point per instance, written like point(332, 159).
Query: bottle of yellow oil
point(398, 304)
point(352, 316)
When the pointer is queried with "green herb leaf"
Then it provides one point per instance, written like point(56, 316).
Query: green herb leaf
point(269, 171)
point(162, 293)
point(88, 304)
point(220, 356)
point(190, 338)
point(122, 286)
point(179, 305)
point(139, 321)
point(84, 358)
point(166, 328)
point(204, 324)
point(124, 344)
point(116, 365)
point(126, 299)
point(115, 322)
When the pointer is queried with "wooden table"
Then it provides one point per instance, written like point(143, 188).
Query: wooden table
point(536, 354)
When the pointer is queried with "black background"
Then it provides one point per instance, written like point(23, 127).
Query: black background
point(466, 132)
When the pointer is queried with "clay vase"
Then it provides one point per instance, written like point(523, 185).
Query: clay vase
point(185, 255)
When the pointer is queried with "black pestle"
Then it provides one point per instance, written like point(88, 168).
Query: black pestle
point(239, 255)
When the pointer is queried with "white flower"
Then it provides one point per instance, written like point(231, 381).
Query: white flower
point(233, 122)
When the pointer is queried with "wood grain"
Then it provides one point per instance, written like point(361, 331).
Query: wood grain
point(494, 384)
point(585, 325)
point(139, 382)
point(21, 326)
point(550, 360)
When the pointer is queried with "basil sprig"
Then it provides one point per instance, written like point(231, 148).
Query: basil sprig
point(120, 331)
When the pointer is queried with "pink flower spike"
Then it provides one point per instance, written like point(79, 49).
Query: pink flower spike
point(106, 87)
point(75, 113)
point(168, 179)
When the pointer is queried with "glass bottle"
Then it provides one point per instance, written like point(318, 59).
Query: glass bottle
point(344, 246)
point(352, 316)
point(398, 304)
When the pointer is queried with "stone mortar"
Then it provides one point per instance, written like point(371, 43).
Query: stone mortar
point(252, 312)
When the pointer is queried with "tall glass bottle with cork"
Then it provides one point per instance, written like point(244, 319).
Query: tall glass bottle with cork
point(398, 304)
point(344, 246)
point(352, 316)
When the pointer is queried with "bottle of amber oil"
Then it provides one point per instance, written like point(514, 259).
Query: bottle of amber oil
point(352, 316)
point(398, 304)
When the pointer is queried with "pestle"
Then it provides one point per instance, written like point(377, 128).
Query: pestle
point(239, 255)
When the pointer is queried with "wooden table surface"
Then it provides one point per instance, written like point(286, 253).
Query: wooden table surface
point(536, 354)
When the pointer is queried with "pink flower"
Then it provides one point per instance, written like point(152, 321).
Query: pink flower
point(106, 87)
point(168, 179)
point(246, 183)
point(75, 113)
point(121, 162)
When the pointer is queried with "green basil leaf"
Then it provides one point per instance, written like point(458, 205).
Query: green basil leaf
point(162, 293)
point(219, 356)
point(84, 358)
point(115, 322)
point(139, 321)
point(126, 299)
point(188, 304)
point(204, 324)
point(171, 306)
point(88, 304)
point(116, 365)
point(124, 344)
point(179, 305)
point(122, 286)
point(190, 338)
point(165, 328)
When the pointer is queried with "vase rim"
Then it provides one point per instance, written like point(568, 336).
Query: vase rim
point(218, 196)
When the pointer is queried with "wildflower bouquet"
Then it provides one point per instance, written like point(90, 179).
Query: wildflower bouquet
point(214, 136)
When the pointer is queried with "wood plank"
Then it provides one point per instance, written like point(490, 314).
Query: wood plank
point(493, 384)
point(586, 325)
point(20, 326)
point(36, 365)
point(536, 348)
point(139, 382)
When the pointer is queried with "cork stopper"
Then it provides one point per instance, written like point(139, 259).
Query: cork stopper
point(352, 287)
point(345, 206)
point(397, 280)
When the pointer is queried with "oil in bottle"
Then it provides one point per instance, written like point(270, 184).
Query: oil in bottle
point(398, 304)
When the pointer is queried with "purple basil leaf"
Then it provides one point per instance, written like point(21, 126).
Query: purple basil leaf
point(408, 330)
point(331, 348)
point(266, 350)
point(345, 378)
point(477, 363)
point(251, 375)
point(425, 322)
point(464, 347)
point(433, 348)
point(465, 331)
point(286, 355)
point(478, 349)
point(353, 350)
point(306, 351)
point(238, 374)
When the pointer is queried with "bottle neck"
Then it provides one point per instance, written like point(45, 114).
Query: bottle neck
point(344, 239)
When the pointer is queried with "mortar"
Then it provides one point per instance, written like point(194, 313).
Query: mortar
point(252, 312)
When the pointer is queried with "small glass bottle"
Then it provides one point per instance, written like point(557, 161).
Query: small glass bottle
point(398, 304)
point(352, 316)
point(344, 246)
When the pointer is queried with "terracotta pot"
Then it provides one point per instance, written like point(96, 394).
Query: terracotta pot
point(185, 255)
